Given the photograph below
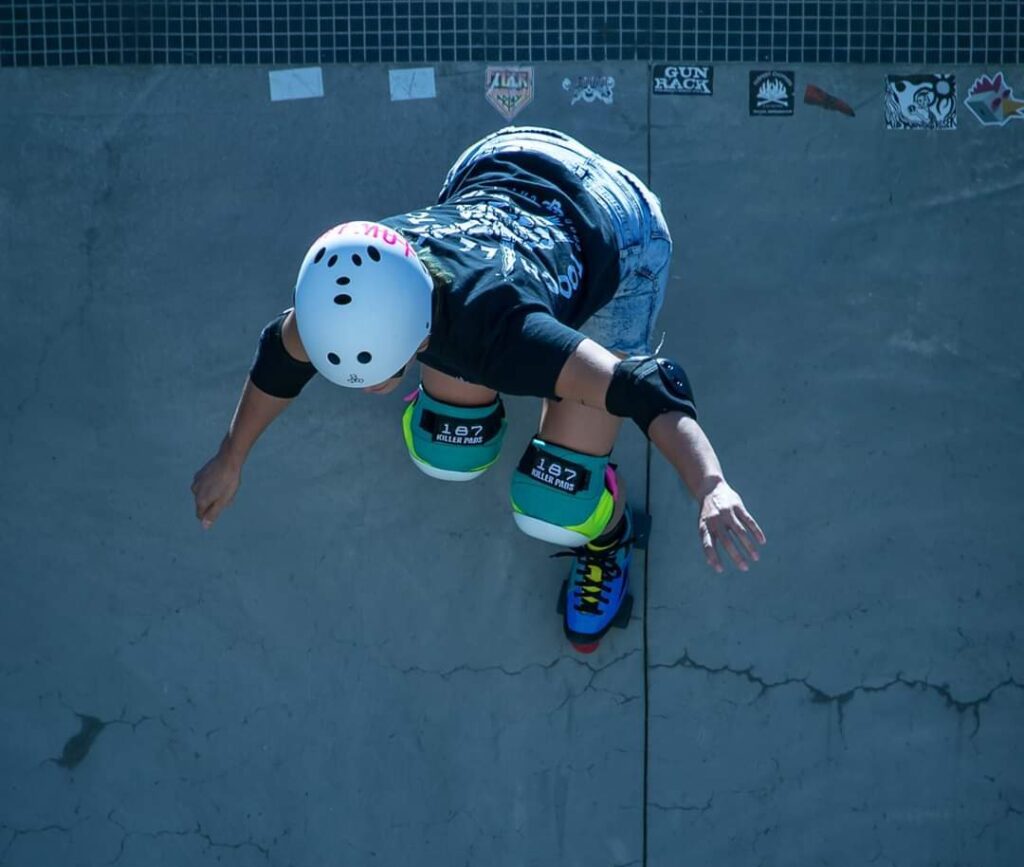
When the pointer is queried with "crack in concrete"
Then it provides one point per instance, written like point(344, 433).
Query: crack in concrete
point(589, 685)
point(263, 708)
point(763, 832)
point(684, 808)
point(544, 666)
point(623, 698)
point(170, 611)
point(448, 674)
point(1010, 810)
point(819, 696)
point(197, 831)
point(24, 832)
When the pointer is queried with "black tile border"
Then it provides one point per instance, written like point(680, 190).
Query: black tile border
point(92, 32)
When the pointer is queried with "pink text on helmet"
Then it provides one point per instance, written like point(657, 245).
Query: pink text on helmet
point(371, 230)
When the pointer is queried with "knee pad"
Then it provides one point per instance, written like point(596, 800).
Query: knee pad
point(454, 443)
point(562, 496)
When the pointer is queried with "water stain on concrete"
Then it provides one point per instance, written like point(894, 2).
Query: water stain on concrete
point(78, 745)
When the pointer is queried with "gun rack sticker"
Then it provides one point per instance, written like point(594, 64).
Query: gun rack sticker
point(920, 101)
point(684, 80)
point(771, 92)
point(509, 88)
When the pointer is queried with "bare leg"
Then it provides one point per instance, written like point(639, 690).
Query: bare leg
point(584, 429)
point(568, 424)
point(446, 388)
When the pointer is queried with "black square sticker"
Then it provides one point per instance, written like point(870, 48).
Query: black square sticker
point(771, 92)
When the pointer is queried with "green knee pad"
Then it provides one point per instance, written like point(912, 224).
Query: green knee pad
point(562, 496)
point(454, 443)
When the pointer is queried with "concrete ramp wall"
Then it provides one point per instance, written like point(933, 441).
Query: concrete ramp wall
point(360, 665)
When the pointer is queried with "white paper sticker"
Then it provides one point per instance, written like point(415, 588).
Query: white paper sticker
point(296, 83)
point(412, 83)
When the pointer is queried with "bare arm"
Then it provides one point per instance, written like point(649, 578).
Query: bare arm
point(215, 484)
point(253, 414)
point(585, 378)
point(256, 409)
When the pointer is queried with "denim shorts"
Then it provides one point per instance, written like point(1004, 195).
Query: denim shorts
point(626, 323)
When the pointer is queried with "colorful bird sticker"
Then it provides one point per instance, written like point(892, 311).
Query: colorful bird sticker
point(992, 102)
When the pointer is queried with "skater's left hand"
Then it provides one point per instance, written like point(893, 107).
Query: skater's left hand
point(723, 516)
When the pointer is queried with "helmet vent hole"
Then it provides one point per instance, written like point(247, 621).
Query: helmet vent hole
point(357, 259)
point(342, 299)
point(343, 281)
point(320, 254)
point(364, 358)
point(332, 261)
point(374, 253)
point(331, 357)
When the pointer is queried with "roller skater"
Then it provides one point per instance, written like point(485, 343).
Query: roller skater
point(540, 271)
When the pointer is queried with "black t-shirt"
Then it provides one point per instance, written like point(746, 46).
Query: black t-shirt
point(532, 255)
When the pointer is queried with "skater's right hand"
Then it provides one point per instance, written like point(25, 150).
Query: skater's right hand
point(214, 487)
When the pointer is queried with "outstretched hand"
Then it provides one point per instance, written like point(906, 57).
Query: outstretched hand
point(725, 520)
point(214, 487)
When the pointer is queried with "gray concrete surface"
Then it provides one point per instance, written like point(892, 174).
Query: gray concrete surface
point(360, 665)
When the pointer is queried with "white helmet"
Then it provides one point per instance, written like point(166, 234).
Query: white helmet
point(362, 303)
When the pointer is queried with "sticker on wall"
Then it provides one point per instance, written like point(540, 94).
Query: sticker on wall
point(412, 83)
point(510, 88)
point(685, 80)
point(590, 88)
point(992, 102)
point(296, 83)
point(920, 102)
point(814, 95)
point(771, 92)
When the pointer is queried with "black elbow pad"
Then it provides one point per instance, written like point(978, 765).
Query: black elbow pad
point(273, 370)
point(644, 387)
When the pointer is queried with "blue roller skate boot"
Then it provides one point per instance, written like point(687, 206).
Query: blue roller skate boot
point(595, 597)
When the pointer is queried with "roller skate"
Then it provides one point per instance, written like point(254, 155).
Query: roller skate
point(596, 595)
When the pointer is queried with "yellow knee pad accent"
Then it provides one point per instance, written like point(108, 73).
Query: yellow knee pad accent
point(562, 496)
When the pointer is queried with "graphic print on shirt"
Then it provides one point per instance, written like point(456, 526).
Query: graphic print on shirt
point(491, 225)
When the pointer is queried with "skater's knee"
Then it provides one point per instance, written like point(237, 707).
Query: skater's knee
point(562, 496)
point(451, 442)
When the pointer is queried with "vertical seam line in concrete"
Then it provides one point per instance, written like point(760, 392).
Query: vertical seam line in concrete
point(647, 699)
point(647, 553)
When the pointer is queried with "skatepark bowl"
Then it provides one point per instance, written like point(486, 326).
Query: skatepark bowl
point(361, 665)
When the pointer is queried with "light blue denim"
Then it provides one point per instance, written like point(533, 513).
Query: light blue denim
point(626, 323)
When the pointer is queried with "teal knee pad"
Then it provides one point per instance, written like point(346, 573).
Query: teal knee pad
point(562, 496)
point(454, 443)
